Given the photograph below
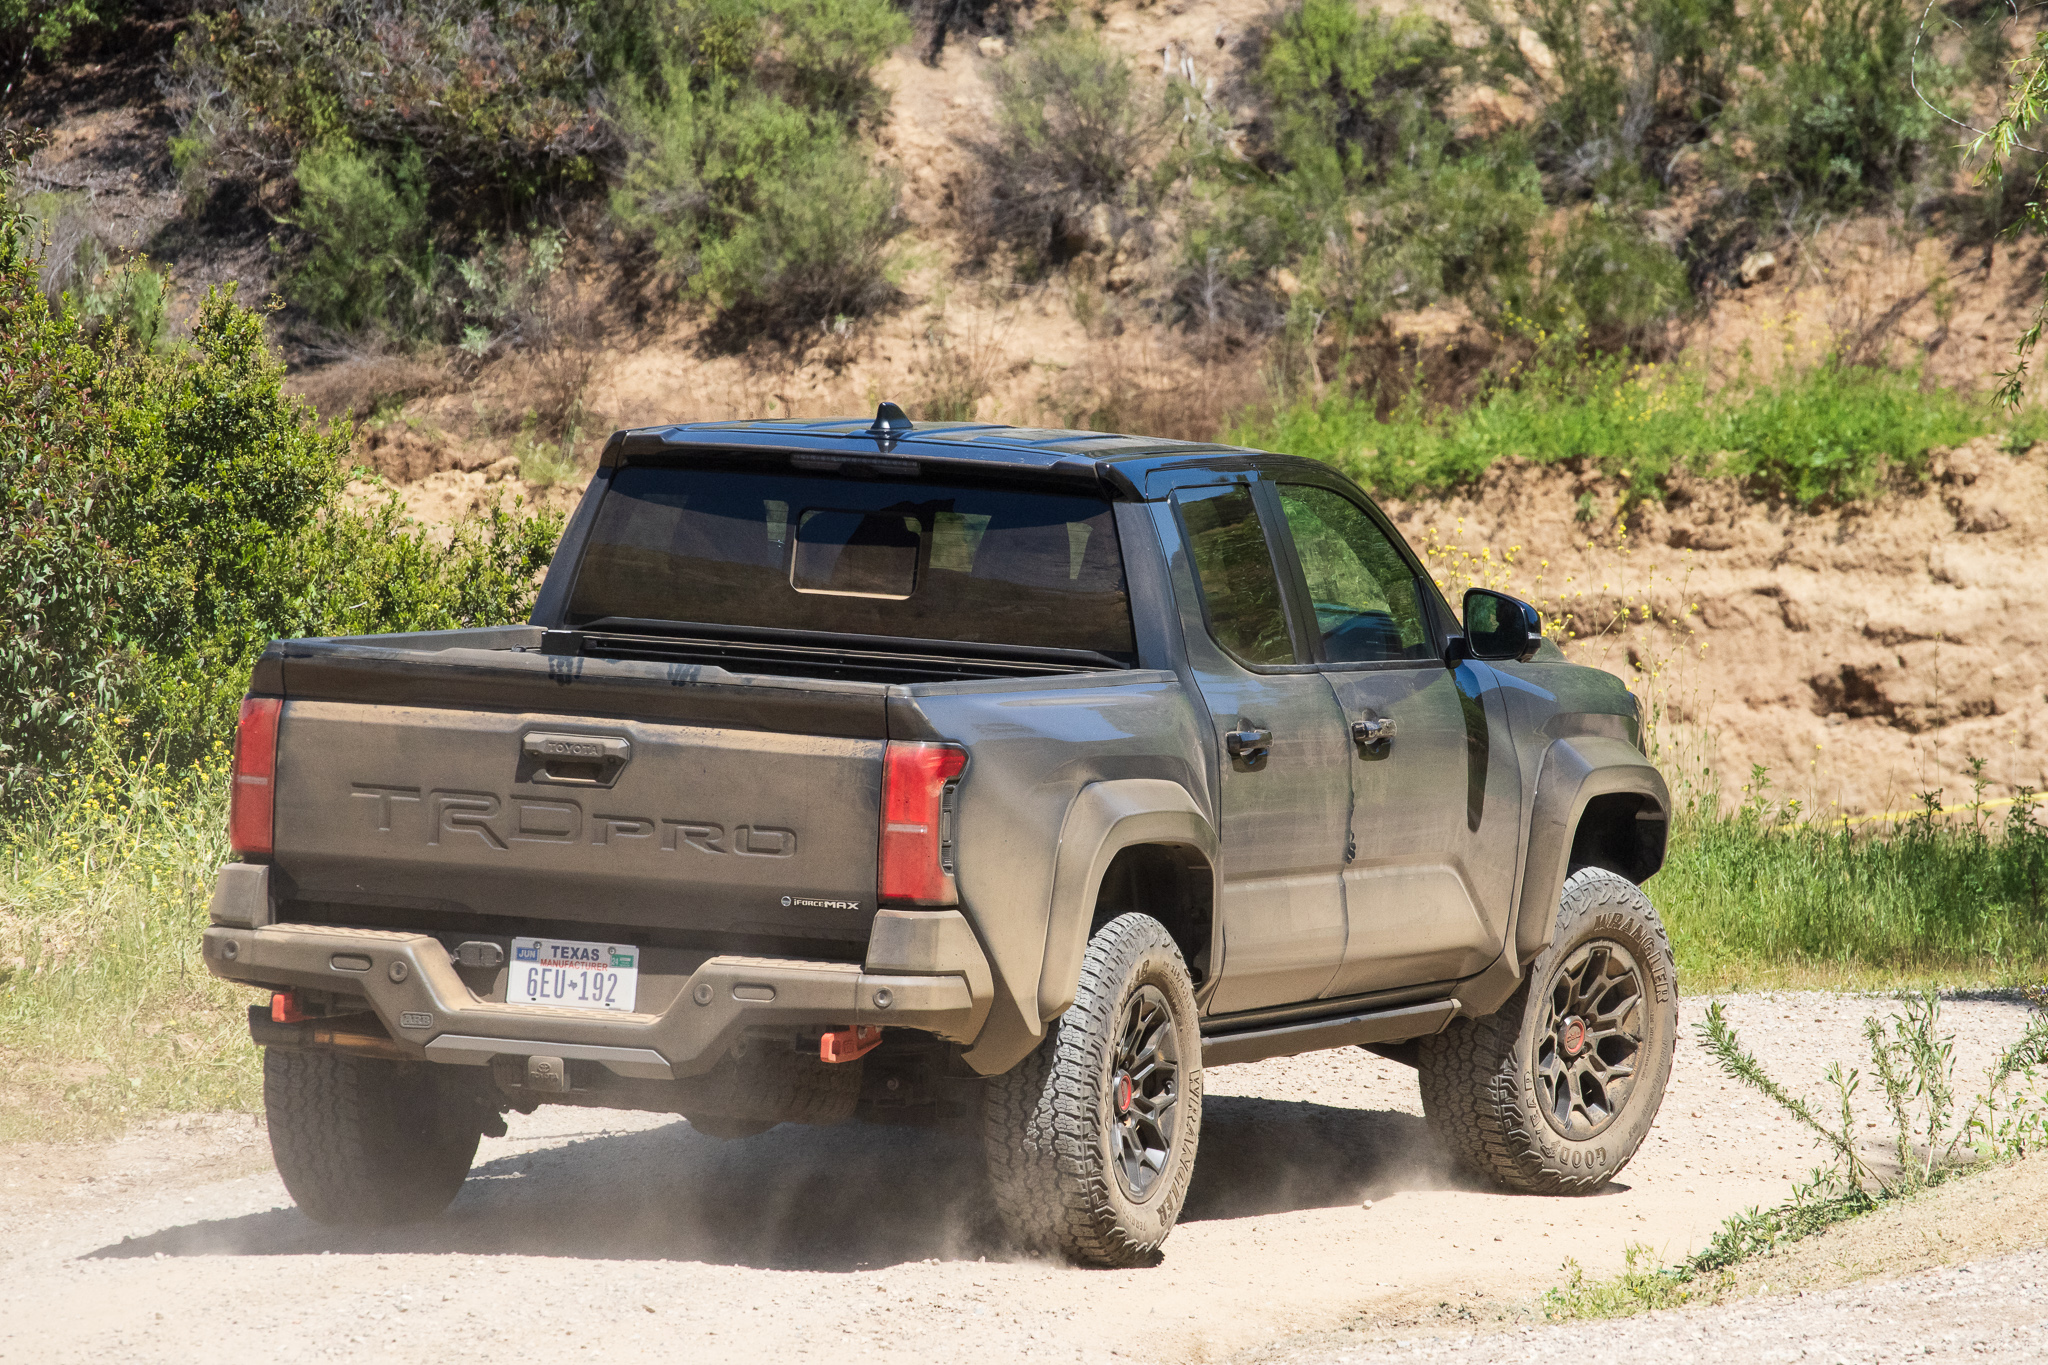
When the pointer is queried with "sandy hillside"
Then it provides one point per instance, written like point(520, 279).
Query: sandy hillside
point(1862, 654)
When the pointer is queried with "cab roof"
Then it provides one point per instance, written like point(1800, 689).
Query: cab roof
point(1119, 462)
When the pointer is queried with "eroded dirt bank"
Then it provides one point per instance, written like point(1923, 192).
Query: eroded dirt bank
point(628, 1237)
point(1863, 654)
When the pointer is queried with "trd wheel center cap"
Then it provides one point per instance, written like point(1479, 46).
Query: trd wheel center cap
point(1121, 1089)
point(1572, 1036)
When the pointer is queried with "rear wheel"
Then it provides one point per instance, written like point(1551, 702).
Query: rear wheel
point(365, 1142)
point(1091, 1139)
point(1555, 1092)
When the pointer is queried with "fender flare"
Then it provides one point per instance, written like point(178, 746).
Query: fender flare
point(1572, 772)
point(1104, 819)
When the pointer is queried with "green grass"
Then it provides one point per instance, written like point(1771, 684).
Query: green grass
point(107, 1014)
point(1754, 905)
point(1823, 434)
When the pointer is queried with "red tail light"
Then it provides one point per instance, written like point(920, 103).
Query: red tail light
point(917, 854)
point(252, 805)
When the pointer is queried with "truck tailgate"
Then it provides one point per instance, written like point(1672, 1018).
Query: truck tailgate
point(706, 830)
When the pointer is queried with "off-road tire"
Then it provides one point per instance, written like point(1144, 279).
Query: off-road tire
point(1491, 1087)
point(364, 1142)
point(1050, 1126)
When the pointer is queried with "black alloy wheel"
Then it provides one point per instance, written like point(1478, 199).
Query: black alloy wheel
point(1145, 1092)
point(1589, 1038)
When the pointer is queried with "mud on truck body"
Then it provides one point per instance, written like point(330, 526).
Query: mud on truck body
point(952, 774)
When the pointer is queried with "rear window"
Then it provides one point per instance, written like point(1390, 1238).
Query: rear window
point(793, 551)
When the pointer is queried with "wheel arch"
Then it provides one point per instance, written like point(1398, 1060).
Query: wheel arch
point(1111, 827)
point(1113, 833)
point(1173, 883)
point(1599, 802)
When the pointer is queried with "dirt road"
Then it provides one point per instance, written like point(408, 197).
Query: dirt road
point(1319, 1201)
point(1993, 1310)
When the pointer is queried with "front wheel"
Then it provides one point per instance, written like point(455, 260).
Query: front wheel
point(1091, 1139)
point(1555, 1092)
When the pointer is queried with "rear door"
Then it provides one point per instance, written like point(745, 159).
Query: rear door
point(1285, 794)
point(1435, 812)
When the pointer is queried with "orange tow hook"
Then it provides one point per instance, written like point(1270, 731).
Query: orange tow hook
point(284, 1009)
point(849, 1044)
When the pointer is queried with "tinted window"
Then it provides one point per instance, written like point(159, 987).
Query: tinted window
point(1240, 590)
point(1367, 605)
point(745, 547)
point(856, 554)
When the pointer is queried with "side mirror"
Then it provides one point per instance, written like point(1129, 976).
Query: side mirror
point(1498, 626)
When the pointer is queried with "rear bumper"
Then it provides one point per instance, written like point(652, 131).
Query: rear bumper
point(431, 1015)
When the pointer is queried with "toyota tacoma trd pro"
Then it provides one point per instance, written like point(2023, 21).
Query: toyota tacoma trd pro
point(948, 773)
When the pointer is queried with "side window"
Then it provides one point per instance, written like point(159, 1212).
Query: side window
point(1367, 606)
point(1240, 588)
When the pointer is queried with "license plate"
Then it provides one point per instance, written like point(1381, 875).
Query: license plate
point(553, 971)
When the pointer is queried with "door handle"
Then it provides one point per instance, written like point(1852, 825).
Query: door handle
point(1374, 732)
point(575, 760)
point(1249, 744)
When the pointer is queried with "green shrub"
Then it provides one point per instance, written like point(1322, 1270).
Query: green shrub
point(1608, 279)
point(813, 248)
point(763, 206)
point(828, 51)
point(1815, 99)
point(1364, 200)
point(46, 27)
point(1837, 116)
point(2025, 429)
point(1630, 419)
point(496, 99)
point(436, 147)
point(1067, 168)
point(165, 512)
point(346, 572)
point(372, 259)
point(62, 665)
point(1354, 94)
point(1621, 84)
point(134, 297)
point(1829, 433)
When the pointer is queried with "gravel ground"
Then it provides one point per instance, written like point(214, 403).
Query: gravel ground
point(1993, 1310)
point(1319, 1202)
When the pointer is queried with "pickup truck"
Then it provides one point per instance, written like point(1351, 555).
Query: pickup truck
point(953, 774)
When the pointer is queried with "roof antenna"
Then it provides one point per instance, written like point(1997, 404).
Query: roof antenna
point(892, 424)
